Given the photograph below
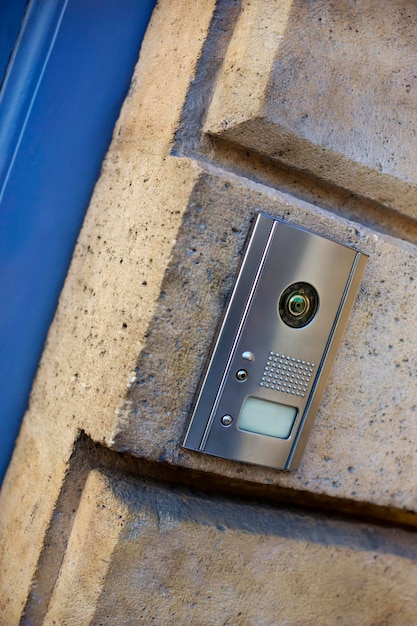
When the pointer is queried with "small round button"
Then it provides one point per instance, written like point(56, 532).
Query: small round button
point(241, 375)
point(226, 420)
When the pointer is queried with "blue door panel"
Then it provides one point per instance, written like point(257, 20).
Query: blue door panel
point(68, 130)
point(11, 15)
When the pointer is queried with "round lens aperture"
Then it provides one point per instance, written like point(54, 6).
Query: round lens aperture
point(298, 305)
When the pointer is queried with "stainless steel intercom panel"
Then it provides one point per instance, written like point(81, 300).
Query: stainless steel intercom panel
point(275, 347)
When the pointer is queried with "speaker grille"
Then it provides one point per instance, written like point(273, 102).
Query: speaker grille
point(287, 374)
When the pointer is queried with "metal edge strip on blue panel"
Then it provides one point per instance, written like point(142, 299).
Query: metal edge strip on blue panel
point(24, 74)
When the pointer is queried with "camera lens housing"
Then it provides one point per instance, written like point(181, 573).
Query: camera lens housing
point(298, 305)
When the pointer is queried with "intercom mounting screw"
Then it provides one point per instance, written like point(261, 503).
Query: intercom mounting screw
point(226, 420)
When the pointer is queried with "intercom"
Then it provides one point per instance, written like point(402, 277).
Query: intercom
point(275, 346)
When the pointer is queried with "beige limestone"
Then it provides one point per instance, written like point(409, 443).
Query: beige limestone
point(96, 531)
point(340, 97)
point(184, 559)
point(363, 445)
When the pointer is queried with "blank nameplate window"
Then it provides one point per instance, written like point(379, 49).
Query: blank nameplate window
point(263, 417)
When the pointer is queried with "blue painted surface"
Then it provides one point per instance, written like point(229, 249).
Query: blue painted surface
point(66, 112)
point(11, 16)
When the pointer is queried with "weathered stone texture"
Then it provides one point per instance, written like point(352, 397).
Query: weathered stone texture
point(363, 445)
point(97, 529)
point(169, 557)
point(328, 88)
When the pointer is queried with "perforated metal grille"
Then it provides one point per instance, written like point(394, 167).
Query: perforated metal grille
point(287, 374)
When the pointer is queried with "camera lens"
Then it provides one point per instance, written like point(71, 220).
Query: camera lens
point(298, 305)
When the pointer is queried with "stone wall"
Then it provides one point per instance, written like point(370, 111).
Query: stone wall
point(303, 110)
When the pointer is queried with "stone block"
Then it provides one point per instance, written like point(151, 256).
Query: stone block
point(328, 89)
point(99, 522)
point(363, 444)
point(140, 553)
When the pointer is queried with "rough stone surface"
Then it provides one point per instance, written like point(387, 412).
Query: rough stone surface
point(345, 112)
point(179, 558)
point(99, 522)
point(153, 267)
point(363, 445)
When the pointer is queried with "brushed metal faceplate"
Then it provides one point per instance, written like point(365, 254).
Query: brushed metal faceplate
point(258, 356)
